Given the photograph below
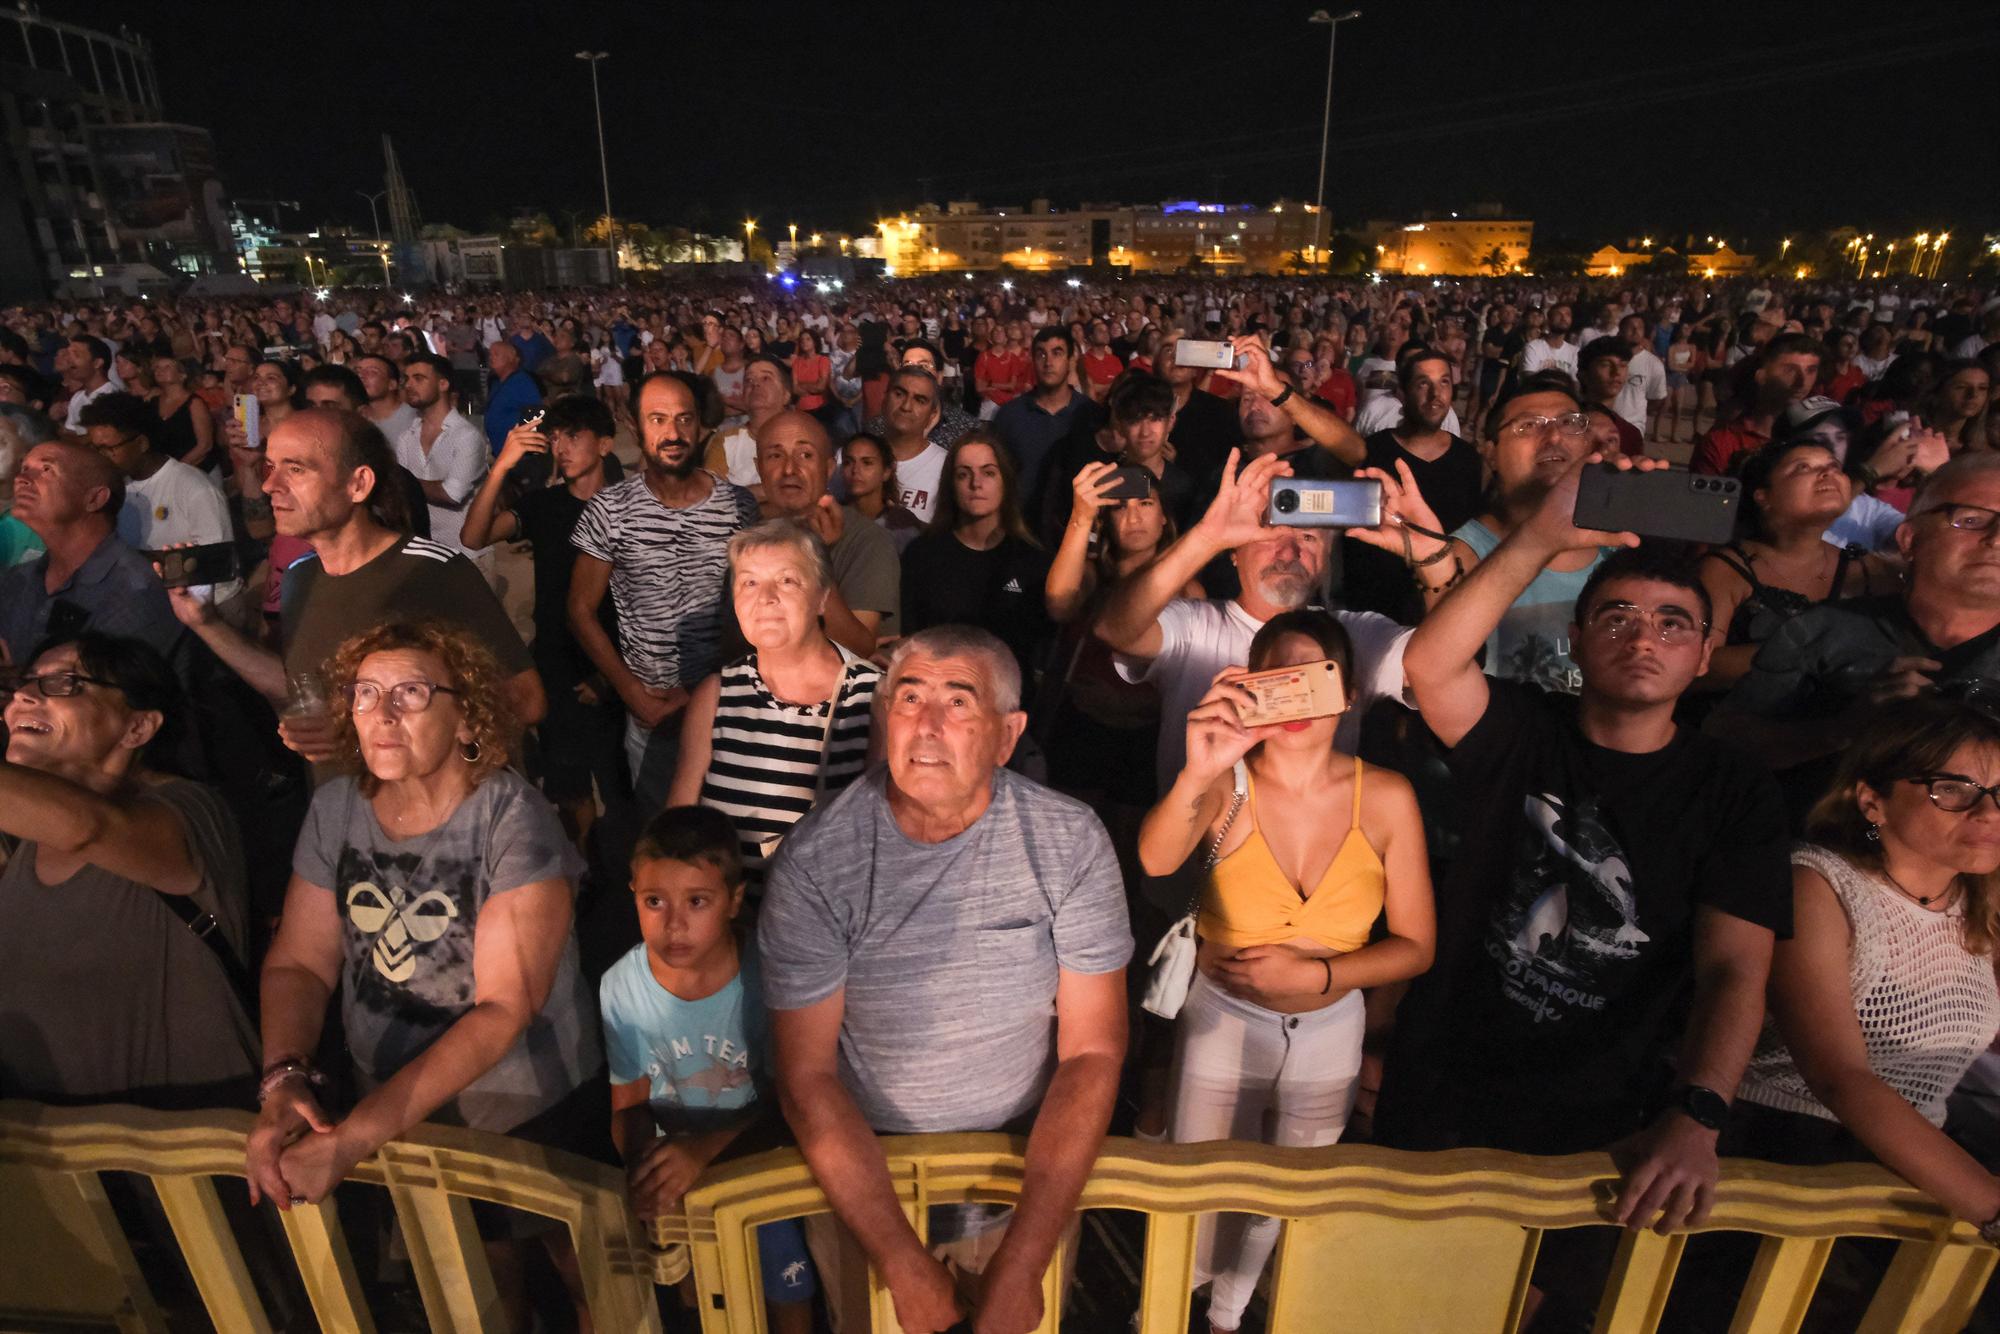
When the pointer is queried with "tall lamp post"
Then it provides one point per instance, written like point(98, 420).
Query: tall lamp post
point(381, 252)
point(603, 162)
point(1332, 22)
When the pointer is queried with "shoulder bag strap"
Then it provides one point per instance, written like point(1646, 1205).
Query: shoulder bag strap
point(209, 932)
point(826, 736)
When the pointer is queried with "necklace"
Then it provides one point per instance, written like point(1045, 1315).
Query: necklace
point(1920, 900)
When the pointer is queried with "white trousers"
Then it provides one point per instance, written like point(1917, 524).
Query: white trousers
point(1247, 1073)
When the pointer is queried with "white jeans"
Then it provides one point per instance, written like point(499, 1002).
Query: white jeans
point(1247, 1073)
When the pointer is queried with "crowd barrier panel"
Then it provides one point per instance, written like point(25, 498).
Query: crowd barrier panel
point(1374, 1239)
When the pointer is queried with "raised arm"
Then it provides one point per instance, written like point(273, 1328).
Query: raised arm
point(1441, 663)
point(1322, 425)
point(1216, 740)
point(125, 833)
point(847, 1163)
point(1062, 1145)
point(485, 522)
point(1069, 583)
point(1130, 619)
point(257, 665)
point(1814, 1006)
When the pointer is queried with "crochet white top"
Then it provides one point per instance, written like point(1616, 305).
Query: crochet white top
point(1928, 1007)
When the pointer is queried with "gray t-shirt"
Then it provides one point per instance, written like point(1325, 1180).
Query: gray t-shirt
point(948, 952)
point(106, 996)
point(409, 909)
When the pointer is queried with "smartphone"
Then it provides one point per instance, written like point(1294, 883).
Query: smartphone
point(211, 564)
point(532, 473)
point(247, 415)
point(1299, 503)
point(1133, 483)
point(1212, 355)
point(1668, 503)
point(1289, 694)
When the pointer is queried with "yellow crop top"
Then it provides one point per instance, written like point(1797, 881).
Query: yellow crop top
point(1249, 900)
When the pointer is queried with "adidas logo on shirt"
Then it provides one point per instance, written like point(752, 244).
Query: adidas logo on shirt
point(1011, 586)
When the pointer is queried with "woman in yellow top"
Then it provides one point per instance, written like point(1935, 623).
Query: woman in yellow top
point(1269, 1041)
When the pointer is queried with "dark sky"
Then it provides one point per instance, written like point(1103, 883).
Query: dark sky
point(1597, 119)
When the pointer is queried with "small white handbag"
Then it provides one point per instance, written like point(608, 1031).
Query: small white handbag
point(1172, 959)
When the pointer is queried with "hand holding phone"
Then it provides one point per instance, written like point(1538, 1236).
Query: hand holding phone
point(1668, 503)
point(1294, 694)
point(1303, 503)
point(247, 413)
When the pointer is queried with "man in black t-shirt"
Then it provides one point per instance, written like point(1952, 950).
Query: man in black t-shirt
point(1605, 935)
point(1139, 415)
point(571, 449)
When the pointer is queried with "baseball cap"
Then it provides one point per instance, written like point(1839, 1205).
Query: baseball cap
point(1807, 413)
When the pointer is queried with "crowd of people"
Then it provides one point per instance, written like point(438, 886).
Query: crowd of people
point(881, 690)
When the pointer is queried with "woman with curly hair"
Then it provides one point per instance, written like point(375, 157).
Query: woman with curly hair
point(433, 886)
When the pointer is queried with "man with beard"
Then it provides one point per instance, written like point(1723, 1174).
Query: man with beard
point(1180, 643)
point(1553, 350)
point(656, 542)
point(1787, 371)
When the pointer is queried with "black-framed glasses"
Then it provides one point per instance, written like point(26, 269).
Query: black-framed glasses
point(115, 445)
point(1968, 518)
point(403, 697)
point(1622, 620)
point(1955, 792)
point(52, 685)
point(1566, 423)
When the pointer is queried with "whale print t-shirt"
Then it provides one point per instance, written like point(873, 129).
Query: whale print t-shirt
point(705, 1060)
point(409, 910)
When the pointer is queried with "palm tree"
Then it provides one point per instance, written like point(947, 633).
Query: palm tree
point(1494, 261)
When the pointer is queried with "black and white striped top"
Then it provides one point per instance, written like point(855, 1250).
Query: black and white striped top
point(669, 569)
point(764, 756)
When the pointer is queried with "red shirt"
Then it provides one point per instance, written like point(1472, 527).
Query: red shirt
point(1838, 387)
point(1629, 438)
point(1008, 375)
point(1338, 391)
point(1102, 367)
point(1720, 446)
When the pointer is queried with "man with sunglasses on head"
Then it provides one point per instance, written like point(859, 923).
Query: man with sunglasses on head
point(1605, 934)
point(1825, 671)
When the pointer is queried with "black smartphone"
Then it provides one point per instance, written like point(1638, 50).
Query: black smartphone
point(1669, 503)
point(532, 473)
point(211, 564)
point(1132, 483)
point(1302, 503)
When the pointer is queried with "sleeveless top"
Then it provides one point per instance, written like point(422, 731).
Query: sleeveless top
point(174, 436)
point(1764, 608)
point(765, 767)
point(1249, 900)
point(1928, 1006)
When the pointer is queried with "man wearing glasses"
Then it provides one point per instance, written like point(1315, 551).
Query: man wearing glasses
point(167, 503)
point(1821, 675)
point(1605, 933)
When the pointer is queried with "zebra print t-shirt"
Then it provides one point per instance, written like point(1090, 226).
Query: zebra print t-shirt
point(669, 571)
point(764, 755)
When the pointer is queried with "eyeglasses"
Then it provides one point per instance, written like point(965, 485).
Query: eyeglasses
point(1568, 423)
point(404, 696)
point(1968, 518)
point(1955, 792)
point(1622, 620)
point(115, 445)
point(51, 685)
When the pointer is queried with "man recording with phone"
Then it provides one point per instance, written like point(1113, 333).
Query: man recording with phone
point(1139, 415)
point(1605, 936)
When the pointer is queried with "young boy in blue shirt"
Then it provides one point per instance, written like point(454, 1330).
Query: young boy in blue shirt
point(688, 1038)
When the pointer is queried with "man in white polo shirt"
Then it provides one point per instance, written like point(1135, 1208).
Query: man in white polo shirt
point(443, 449)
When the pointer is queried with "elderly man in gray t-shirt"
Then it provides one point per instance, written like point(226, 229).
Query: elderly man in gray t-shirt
point(944, 947)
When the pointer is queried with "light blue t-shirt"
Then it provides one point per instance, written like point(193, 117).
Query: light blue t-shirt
point(1531, 643)
point(705, 1060)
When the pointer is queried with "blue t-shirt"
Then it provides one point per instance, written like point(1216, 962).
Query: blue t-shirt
point(1531, 643)
point(705, 1060)
point(504, 403)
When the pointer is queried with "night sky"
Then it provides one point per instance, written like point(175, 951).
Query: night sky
point(1744, 117)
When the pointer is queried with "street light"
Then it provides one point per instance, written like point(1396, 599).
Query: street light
point(1332, 23)
point(603, 162)
point(380, 252)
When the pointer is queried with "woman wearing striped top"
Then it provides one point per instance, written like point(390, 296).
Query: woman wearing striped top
point(777, 731)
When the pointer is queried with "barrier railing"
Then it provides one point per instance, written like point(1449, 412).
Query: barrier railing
point(1374, 1239)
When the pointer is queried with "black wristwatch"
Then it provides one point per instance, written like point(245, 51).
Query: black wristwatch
point(1283, 395)
point(1704, 1106)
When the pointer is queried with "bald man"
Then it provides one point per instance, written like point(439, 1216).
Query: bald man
point(794, 463)
point(69, 495)
point(508, 390)
point(322, 465)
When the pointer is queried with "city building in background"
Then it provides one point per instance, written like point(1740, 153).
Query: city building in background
point(98, 190)
point(1171, 236)
point(1480, 243)
point(1713, 260)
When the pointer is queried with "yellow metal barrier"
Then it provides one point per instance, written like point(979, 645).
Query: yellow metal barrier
point(64, 1257)
point(1374, 1239)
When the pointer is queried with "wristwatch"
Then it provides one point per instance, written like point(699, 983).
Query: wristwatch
point(1703, 1106)
point(1283, 395)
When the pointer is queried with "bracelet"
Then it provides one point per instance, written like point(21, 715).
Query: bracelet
point(1410, 555)
point(282, 1072)
point(1283, 397)
point(1989, 1231)
point(1328, 965)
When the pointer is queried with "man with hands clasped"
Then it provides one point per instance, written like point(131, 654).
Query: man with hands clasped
point(1605, 937)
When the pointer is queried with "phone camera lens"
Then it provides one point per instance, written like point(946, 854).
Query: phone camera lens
point(1286, 502)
